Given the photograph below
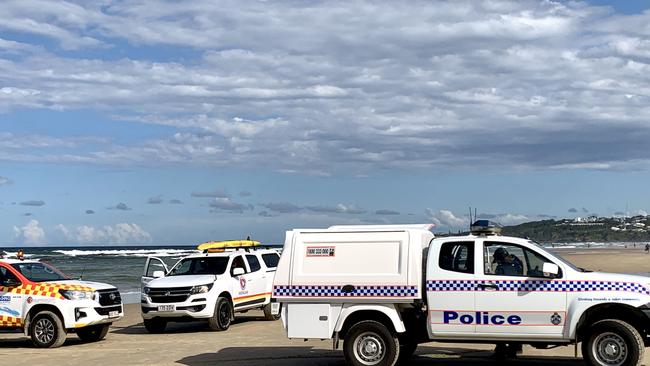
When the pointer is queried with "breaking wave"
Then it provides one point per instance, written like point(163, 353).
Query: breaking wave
point(127, 252)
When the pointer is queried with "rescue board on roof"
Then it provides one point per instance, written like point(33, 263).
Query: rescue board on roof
point(219, 246)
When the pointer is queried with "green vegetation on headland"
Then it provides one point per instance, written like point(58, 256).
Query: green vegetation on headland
point(591, 229)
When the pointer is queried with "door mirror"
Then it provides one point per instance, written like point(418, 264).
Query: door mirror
point(238, 271)
point(158, 274)
point(550, 270)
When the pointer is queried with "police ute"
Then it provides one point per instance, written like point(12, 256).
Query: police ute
point(385, 289)
point(46, 304)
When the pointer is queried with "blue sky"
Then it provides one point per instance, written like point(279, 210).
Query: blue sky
point(160, 122)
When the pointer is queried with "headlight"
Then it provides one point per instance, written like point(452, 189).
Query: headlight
point(146, 290)
point(77, 295)
point(202, 289)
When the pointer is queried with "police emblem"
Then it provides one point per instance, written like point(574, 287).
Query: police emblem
point(556, 319)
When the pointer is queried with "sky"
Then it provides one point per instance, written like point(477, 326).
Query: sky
point(164, 122)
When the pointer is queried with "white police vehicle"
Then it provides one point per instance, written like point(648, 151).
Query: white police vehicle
point(46, 304)
point(384, 289)
point(210, 286)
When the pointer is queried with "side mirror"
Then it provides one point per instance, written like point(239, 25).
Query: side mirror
point(158, 274)
point(550, 269)
point(238, 271)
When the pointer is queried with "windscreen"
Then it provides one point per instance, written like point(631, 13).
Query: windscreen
point(39, 272)
point(199, 266)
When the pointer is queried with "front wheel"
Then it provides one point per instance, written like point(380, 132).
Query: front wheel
point(222, 316)
point(47, 330)
point(613, 342)
point(370, 343)
point(93, 333)
point(268, 314)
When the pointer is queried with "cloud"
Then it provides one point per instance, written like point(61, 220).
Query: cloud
point(446, 218)
point(90, 212)
point(30, 234)
point(120, 206)
point(27, 214)
point(217, 193)
point(573, 210)
point(226, 204)
point(281, 207)
point(175, 201)
point(265, 214)
point(34, 203)
point(4, 181)
point(584, 210)
point(340, 208)
point(118, 234)
point(386, 212)
point(245, 194)
point(155, 200)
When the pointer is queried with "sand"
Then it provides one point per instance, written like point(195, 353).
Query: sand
point(253, 341)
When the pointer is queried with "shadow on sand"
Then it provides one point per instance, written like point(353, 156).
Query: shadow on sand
point(425, 355)
point(181, 327)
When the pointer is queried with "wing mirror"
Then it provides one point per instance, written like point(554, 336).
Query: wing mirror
point(238, 271)
point(550, 270)
point(158, 274)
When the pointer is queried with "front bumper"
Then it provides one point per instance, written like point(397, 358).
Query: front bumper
point(92, 315)
point(196, 306)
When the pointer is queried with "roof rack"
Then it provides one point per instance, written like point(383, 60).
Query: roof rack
point(245, 249)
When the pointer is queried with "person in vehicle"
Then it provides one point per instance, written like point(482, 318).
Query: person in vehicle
point(507, 264)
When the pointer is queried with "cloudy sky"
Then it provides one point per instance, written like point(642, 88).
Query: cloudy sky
point(159, 122)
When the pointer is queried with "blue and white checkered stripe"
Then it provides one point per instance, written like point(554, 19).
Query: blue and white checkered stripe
point(337, 291)
point(537, 285)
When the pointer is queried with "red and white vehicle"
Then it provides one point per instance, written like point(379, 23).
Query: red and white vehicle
point(46, 304)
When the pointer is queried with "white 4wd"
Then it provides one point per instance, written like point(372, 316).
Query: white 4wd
point(46, 304)
point(209, 286)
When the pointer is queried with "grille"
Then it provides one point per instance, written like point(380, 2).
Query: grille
point(109, 297)
point(169, 295)
point(106, 310)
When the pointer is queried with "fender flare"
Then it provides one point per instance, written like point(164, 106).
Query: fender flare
point(388, 309)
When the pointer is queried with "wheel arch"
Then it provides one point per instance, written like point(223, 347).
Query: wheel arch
point(37, 309)
point(618, 311)
point(384, 314)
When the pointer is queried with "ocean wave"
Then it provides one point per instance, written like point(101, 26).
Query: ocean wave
point(127, 252)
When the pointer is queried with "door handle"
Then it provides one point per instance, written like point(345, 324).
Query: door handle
point(487, 286)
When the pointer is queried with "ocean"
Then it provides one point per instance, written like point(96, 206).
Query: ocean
point(122, 266)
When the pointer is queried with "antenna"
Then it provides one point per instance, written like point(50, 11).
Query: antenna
point(470, 218)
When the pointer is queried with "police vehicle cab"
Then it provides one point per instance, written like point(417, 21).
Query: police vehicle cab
point(212, 285)
point(46, 304)
point(384, 289)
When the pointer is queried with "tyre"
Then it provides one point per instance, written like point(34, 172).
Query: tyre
point(613, 342)
point(267, 312)
point(407, 348)
point(155, 325)
point(370, 343)
point(223, 315)
point(93, 333)
point(47, 330)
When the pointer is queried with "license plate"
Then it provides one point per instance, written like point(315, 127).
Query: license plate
point(113, 314)
point(166, 307)
point(275, 308)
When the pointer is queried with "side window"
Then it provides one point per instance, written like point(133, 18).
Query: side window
point(271, 259)
point(504, 259)
point(253, 262)
point(238, 262)
point(457, 257)
point(7, 278)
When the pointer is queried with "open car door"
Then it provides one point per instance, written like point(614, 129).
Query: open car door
point(152, 265)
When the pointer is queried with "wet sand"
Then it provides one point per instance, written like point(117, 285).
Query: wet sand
point(253, 341)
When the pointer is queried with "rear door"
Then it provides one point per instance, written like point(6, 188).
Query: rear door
point(150, 266)
point(451, 268)
point(11, 303)
point(257, 282)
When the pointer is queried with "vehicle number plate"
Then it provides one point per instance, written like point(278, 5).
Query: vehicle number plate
point(113, 314)
point(275, 308)
point(166, 307)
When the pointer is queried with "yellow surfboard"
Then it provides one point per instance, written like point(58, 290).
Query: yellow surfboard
point(221, 245)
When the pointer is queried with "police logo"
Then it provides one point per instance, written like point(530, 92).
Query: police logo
point(556, 319)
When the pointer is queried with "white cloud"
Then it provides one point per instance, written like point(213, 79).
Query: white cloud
point(4, 181)
point(447, 219)
point(118, 234)
point(30, 234)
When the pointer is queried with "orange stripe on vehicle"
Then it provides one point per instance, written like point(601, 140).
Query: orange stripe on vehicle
point(44, 289)
point(251, 296)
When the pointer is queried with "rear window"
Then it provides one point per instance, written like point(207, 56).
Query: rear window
point(271, 259)
point(457, 257)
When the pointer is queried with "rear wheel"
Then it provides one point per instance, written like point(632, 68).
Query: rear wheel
point(613, 342)
point(370, 343)
point(223, 314)
point(93, 333)
point(155, 325)
point(268, 315)
point(47, 330)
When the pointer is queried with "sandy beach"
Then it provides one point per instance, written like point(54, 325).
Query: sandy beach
point(252, 341)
